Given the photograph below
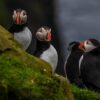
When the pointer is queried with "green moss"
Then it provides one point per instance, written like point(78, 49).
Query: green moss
point(25, 77)
point(21, 81)
point(84, 94)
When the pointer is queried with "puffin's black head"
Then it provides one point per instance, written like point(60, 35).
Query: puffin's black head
point(44, 34)
point(19, 16)
point(73, 46)
point(94, 42)
point(89, 45)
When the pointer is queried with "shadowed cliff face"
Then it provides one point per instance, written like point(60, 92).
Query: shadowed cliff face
point(4, 14)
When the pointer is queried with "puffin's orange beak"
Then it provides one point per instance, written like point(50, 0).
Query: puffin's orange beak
point(81, 46)
point(49, 36)
point(18, 19)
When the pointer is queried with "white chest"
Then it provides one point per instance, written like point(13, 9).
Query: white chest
point(80, 61)
point(24, 37)
point(69, 53)
point(51, 56)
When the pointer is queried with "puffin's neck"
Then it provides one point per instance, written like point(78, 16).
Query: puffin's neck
point(17, 28)
point(78, 50)
point(42, 45)
point(95, 51)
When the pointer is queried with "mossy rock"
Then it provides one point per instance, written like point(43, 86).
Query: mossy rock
point(25, 77)
point(84, 94)
point(9, 47)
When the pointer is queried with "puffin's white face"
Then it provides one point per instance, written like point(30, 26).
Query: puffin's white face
point(43, 34)
point(88, 46)
point(19, 17)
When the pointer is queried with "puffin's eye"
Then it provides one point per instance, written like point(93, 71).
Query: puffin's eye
point(40, 30)
point(24, 13)
point(87, 42)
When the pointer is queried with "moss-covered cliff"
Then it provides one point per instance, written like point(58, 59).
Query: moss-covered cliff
point(24, 77)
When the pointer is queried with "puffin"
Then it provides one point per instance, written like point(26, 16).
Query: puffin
point(89, 64)
point(19, 29)
point(44, 49)
point(71, 66)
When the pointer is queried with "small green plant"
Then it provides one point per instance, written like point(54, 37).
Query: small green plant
point(84, 94)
